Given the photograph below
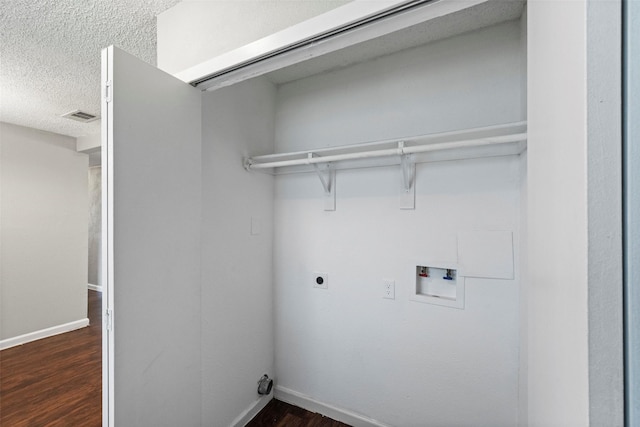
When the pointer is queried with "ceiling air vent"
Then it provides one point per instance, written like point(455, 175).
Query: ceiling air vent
point(80, 116)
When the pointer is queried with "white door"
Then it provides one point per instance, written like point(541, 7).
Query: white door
point(152, 202)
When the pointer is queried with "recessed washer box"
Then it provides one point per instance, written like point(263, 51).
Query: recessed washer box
point(439, 284)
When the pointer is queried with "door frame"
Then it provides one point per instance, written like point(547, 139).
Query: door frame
point(631, 207)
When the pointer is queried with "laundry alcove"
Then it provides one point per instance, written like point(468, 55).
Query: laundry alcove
point(400, 362)
point(212, 266)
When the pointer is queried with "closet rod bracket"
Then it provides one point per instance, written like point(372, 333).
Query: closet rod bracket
point(328, 182)
point(408, 173)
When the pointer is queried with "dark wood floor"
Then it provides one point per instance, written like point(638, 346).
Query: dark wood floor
point(281, 414)
point(55, 381)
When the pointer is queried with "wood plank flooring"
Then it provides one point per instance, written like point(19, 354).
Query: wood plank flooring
point(281, 414)
point(55, 381)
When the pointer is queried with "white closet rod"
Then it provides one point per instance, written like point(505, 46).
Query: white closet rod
point(311, 156)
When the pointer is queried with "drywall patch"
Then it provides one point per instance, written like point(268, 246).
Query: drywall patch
point(486, 254)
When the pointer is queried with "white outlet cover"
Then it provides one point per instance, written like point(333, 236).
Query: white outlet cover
point(256, 226)
point(320, 280)
point(389, 289)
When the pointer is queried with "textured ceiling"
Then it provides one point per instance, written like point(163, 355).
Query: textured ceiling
point(50, 56)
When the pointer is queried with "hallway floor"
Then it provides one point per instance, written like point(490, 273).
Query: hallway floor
point(55, 381)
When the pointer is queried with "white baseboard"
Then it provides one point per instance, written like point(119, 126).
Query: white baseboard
point(334, 412)
point(251, 411)
point(94, 287)
point(43, 333)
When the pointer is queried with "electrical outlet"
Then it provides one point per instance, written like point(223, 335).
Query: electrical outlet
point(389, 289)
point(320, 280)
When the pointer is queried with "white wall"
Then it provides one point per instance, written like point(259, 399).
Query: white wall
point(192, 32)
point(43, 231)
point(88, 143)
point(575, 335)
point(558, 330)
point(237, 243)
point(401, 362)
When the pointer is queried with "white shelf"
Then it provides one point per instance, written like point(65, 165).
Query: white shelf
point(499, 140)
point(490, 141)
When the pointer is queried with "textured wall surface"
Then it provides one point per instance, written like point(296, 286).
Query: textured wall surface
point(51, 56)
point(604, 100)
point(95, 225)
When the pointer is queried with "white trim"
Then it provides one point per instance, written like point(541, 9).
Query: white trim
point(331, 20)
point(253, 410)
point(270, 53)
point(43, 333)
point(108, 352)
point(93, 287)
point(339, 414)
